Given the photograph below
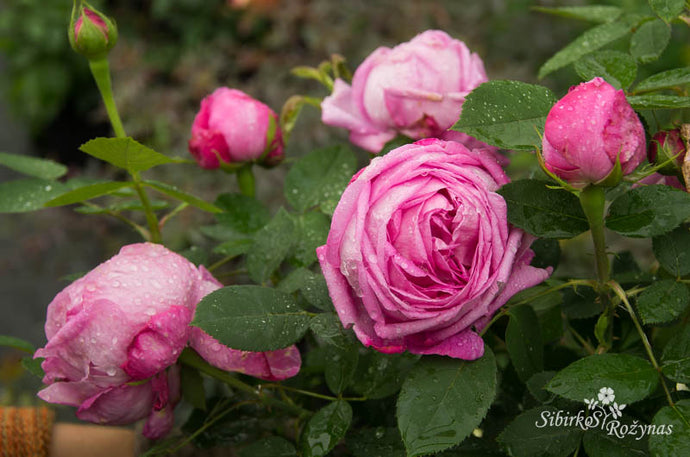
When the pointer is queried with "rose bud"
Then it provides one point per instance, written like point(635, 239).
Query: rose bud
point(420, 254)
point(232, 128)
point(91, 33)
point(590, 129)
point(667, 146)
point(416, 89)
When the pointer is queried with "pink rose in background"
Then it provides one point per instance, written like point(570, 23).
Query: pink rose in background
point(420, 253)
point(271, 365)
point(115, 335)
point(417, 89)
point(125, 321)
point(588, 130)
point(667, 145)
point(232, 128)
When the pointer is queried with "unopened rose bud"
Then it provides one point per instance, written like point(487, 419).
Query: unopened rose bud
point(91, 33)
point(232, 128)
point(588, 131)
point(666, 146)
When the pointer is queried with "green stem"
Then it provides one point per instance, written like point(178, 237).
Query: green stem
point(181, 207)
point(643, 336)
point(151, 219)
point(141, 230)
point(593, 201)
point(192, 359)
point(311, 394)
point(246, 181)
point(100, 70)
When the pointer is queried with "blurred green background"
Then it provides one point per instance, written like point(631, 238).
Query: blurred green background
point(171, 53)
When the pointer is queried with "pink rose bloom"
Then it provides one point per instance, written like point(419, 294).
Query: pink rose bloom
point(588, 130)
point(472, 143)
point(416, 88)
point(420, 253)
point(115, 335)
point(233, 128)
point(271, 365)
point(126, 321)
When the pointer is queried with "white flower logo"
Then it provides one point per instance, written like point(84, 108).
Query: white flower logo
point(606, 395)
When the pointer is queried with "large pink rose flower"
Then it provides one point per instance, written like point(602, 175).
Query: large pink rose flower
point(588, 130)
point(115, 335)
point(417, 89)
point(420, 253)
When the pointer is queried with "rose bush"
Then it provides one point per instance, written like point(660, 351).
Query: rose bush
point(420, 253)
point(588, 130)
point(231, 127)
point(115, 334)
point(416, 88)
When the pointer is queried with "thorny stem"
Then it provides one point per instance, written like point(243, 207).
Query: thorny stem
point(100, 69)
point(643, 336)
point(592, 200)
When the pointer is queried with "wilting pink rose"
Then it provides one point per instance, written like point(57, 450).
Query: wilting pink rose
point(417, 89)
point(270, 365)
point(420, 253)
point(115, 335)
point(588, 130)
point(233, 128)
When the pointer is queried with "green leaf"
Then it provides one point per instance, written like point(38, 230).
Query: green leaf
point(312, 286)
point(24, 195)
point(667, 9)
point(649, 41)
point(675, 361)
point(178, 194)
point(234, 248)
point(251, 318)
point(271, 246)
point(589, 41)
point(311, 230)
point(273, 446)
point(325, 429)
point(542, 211)
point(672, 431)
point(329, 330)
point(242, 214)
point(319, 178)
point(33, 366)
point(376, 442)
point(17, 343)
point(381, 375)
point(125, 153)
point(655, 101)
point(33, 166)
point(341, 363)
point(192, 386)
point(664, 301)
point(581, 303)
point(443, 400)
point(665, 80)
point(547, 253)
point(632, 378)
point(648, 211)
point(617, 68)
point(530, 435)
point(598, 442)
point(84, 193)
point(524, 341)
point(507, 114)
point(537, 386)
point(594, 13)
